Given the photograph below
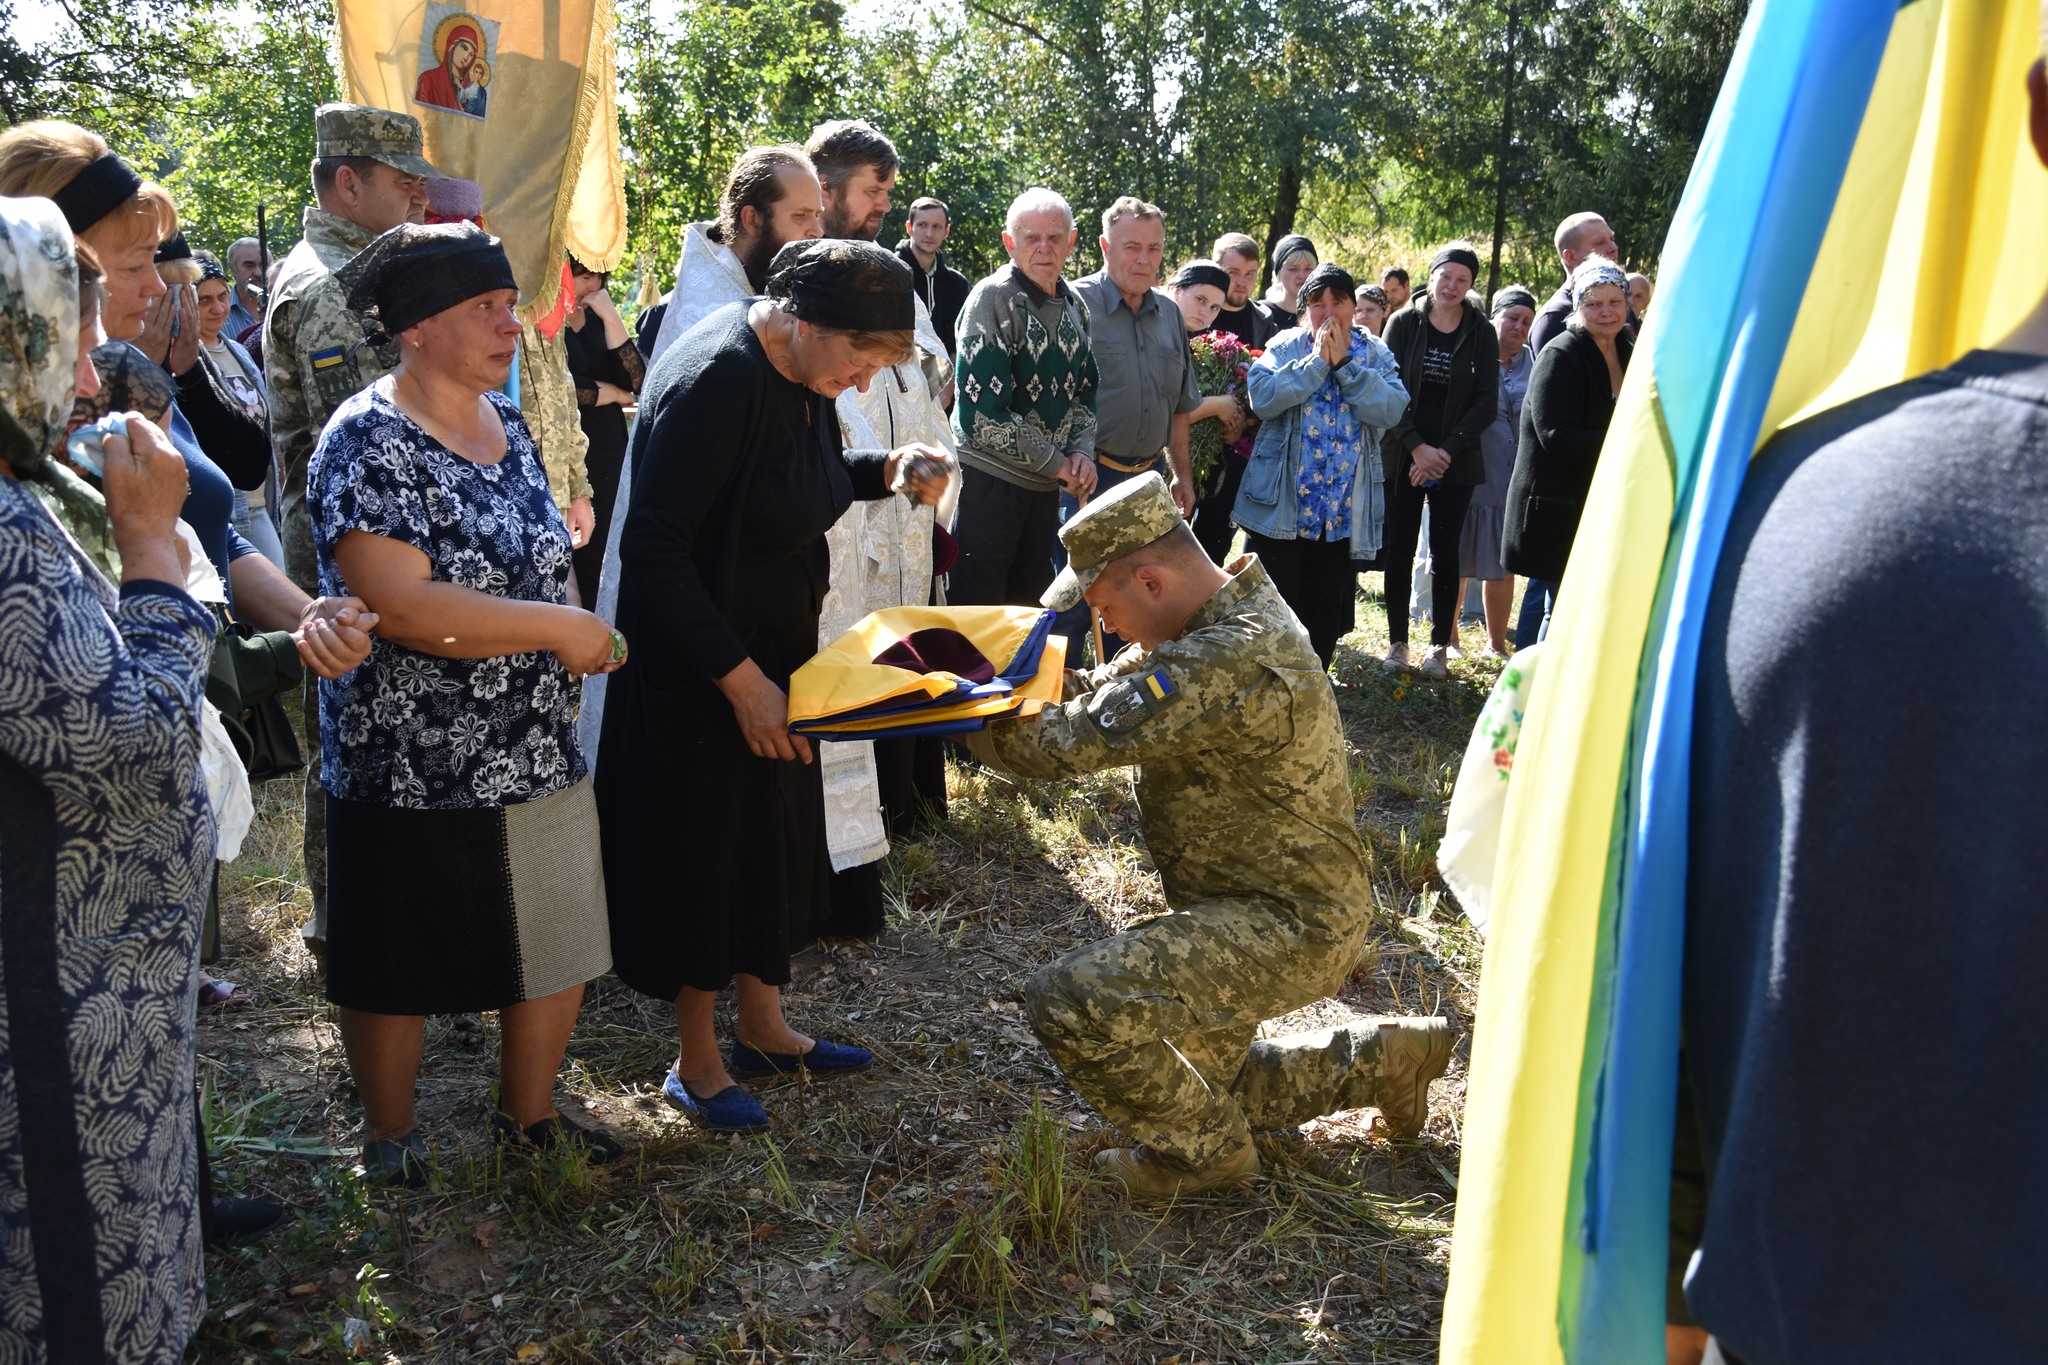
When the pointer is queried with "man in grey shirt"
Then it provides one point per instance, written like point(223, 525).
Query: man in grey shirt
point(1141, 349)
point(1147, 387)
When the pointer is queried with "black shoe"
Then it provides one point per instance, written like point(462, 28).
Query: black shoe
point(558, 1130)
point(397, 1163)
point(238, 1222)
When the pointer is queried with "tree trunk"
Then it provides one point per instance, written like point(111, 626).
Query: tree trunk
point(1286, 206)
point(1511, 77)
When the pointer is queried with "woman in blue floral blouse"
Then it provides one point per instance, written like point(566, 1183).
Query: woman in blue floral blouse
point(463, 871)
point(1309, 502)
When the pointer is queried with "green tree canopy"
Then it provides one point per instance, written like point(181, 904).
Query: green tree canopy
point(1380, 129)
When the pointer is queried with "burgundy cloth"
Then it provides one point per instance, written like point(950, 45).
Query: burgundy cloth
point(939, 651)
point(945, 550)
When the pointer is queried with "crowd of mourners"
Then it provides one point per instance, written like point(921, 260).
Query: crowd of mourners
point(542, 642)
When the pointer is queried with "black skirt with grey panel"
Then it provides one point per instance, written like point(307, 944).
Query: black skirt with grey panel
point(459, 911)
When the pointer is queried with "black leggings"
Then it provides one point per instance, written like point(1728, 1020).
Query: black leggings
point(1447, 504)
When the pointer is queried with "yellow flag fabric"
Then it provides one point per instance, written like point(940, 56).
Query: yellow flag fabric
point(1919, 220)
point(844, 676)
point(519, 96)
point(1027, 700)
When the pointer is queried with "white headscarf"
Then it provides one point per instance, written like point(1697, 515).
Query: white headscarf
point(1592, 273)
point(38, 327)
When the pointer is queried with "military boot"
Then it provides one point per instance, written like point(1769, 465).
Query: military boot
point(1413, 1052)
point(1144, 1175)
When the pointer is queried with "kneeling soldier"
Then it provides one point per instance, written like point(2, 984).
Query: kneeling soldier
point(1227, 712)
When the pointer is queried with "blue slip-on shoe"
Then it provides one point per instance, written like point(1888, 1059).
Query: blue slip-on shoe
point(731, 1110)
point(826, 1058)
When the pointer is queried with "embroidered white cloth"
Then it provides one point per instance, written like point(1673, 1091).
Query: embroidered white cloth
point(1470, 850)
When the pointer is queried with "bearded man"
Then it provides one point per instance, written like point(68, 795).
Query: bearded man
point(882, 552)
point(770, 199)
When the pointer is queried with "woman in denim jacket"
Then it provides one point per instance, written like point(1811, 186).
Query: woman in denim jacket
point(1312, 500)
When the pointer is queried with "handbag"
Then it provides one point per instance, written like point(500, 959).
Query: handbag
point(246, 679)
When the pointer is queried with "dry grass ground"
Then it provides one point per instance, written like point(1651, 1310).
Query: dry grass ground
point(937, 1208)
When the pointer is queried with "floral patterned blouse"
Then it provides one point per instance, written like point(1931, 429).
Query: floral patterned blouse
point(1332, 443)
point(410, 729)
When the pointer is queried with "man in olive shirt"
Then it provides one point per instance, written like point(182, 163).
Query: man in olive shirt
point(1225, 710)
point(369, 175)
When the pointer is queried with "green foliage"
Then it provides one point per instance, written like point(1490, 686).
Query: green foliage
point(241, 143)
point(1380, 130)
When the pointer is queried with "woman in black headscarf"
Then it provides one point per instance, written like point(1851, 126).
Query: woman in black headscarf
point(1294, 256)
point(713, 814)
point(461, 873)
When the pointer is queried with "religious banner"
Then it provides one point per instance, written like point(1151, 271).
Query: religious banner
point(521, 98)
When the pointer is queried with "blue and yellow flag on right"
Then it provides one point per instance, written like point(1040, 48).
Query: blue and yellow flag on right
point(1866, 206)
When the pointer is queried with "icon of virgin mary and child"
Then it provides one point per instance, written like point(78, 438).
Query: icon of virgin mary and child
point(462, 79)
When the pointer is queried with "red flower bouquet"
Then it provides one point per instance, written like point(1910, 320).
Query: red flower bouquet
point(1221, 362)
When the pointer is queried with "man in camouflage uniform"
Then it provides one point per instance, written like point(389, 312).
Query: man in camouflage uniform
point(1227, 712)
point(547, 399)
point(368, 176)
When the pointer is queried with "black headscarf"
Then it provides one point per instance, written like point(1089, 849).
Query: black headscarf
point(852, 286)
point(1327, 276)
point(1202, 272)
point(1293, 244)
point(104, 185)
point(1456, 255)
point(1514, 296)
point(419, 269)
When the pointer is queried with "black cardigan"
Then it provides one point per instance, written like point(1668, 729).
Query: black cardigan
point(233, 437)
point(1564, 421)
point(1470, 404)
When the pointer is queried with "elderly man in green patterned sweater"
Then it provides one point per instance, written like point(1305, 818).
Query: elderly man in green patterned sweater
point(1224, 708)
point(1024, 409)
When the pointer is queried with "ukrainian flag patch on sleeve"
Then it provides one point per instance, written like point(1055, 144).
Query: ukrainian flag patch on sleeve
point(323, 359)
point(1130, 702)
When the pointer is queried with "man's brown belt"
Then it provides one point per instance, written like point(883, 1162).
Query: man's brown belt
point(1116, 466)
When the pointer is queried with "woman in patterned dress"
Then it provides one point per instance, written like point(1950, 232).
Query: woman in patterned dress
point(1514, 312)
point(107, 852)
point(1323, 391)
point(463, 871)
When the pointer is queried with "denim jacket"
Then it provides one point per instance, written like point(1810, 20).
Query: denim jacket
point(1280, 383)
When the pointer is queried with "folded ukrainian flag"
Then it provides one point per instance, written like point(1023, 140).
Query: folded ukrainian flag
point(1865, 207)
point(908, 671)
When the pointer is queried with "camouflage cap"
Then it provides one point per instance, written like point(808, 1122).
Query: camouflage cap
point(381, 134)
point(1128, 517)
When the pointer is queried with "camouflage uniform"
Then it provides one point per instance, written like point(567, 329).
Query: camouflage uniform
point(316, 356)
point(315, 352)
point(1248, 815)
point(547, 396)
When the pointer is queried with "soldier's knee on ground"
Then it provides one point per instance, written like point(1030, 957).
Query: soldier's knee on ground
point(1051, 1004)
